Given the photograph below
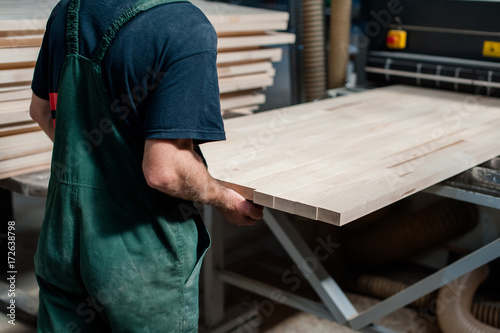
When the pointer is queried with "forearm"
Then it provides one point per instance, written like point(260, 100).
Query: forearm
point(40, 112)
point(172, 167)
point(47, 126)
point(183, 175)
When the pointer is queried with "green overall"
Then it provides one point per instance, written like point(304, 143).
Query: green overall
point(113, 254)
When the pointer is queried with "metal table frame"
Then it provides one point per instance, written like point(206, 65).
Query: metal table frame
point(335, 305)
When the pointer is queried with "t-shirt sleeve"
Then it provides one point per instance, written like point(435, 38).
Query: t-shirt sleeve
point(40, 83)
point(186, 103)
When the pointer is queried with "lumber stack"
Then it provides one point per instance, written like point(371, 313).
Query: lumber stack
point(23, 146)
point(244, 62)
point(339, 159)
point(244, 67)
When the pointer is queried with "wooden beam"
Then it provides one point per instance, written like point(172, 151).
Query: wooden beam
point(15, 95)
point(17, 55)
point(18, 145)
point(21, 41)
point(14, 116)
point(232, 102)
point(245, 82)
point(219, 12)
point(18, 128)
point(270, 38)
point(233, 70)
point(11, 166)
point(273, 55)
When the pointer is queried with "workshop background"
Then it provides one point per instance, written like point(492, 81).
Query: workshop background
point(274, 54)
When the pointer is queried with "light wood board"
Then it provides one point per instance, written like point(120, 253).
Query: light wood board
point(339, 159)
point(268, 38)
point(234, 70)
point(15, 95)
point(18, 128)
point(16, 75)
point(219, 12)
point(228, 102)
point(246, 82)
point(23, 144)
point(273, 55)
point(12, 56)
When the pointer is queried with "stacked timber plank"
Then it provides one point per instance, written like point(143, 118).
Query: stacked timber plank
point(339, 159)
point(246, 36)
point(244, 65)
point(23, 146)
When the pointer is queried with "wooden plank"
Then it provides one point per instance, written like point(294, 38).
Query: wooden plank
point(17, 55)
point(17, 65)
point(244, 111)
point(219, 12)
point(273, 55)
point(233, 102)
point(226, 18)
point(11, 165)
point(233, 70)
point(21, 171)
point(339, 159)
point(23, 145)
point(8, 89)
point(24, 22)
point(19, 140)
point(15, 76)
point(270, 38)
point(14, 116)
point(22, 105)
point(18, 128)
point(224, 29)
point(21, 41)
point(246, 82)
point(15, 95)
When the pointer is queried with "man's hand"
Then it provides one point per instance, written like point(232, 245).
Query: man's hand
point(240, 211)
point(172, 166)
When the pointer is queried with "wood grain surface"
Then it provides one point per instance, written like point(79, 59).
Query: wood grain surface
point(339, 159)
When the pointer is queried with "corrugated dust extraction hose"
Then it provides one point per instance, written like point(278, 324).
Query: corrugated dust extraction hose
point(398, 239)
point(455, 302)
point(383, 287)
point(314, 61)
point(340, 28)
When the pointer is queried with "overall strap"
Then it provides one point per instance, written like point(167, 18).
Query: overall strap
point(72, 27)
point(139, 7)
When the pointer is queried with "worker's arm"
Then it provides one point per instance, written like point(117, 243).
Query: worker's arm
point(40, 112)
point(172, 167)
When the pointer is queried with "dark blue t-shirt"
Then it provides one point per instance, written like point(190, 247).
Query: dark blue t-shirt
point(160, 70)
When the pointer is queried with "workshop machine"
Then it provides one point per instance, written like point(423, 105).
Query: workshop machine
point(445, 44)
point(452, 45)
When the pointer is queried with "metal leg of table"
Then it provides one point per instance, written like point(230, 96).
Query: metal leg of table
point(276, 295)
point(212, 264)
point(279, 296)
point(336, 306)
point(434, 281)
point(325, 286)
point(334, 298)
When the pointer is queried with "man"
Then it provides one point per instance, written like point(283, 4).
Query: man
point(127, 90)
